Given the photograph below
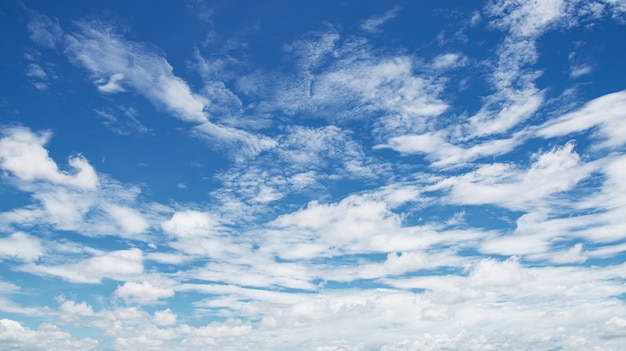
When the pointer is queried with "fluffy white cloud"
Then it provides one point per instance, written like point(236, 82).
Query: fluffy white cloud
point(21, 246)
point(22, 153)
point(191, 223)
point(392, 244)
point(241, 144)
point(143, 292)
point(71, 310)
point(164, 317)
point(47, 337)
point(129, 220)
point(113, 84)
point(327, 230)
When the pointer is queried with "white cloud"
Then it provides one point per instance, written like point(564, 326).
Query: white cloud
point(489, 272)
point(8, 288)
point(117, 265)
point(112, 86)
point(579, 71)
point(374, 24)
point(496, 297)
point(306, 159)
point(167, 258)
point(71, 310)
point(112, 59)
point(47, 337)
point(526, 18)
point(191, 223)
point(573, 255)
point(516, 98)
point(552, 172)
point(615, 328)
point(129, 220)
point(358, 82)
point(81, 201)
point(348, 226)
point(164, 318)
point(606, 112)
point(22, 153)
point(36, 71)
point(444, 154)
point(44, 31)
point(395, 250)
point(511, 108)
point(21, 246)
point(143, 292)
point(447, 61)
point(241, 144)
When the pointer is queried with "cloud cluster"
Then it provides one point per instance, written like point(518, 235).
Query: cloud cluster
point(360, 205)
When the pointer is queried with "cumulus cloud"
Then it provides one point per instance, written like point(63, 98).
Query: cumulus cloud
point(164, 317)
point(70, 310)
point(21, 246)
point(464, 237)
point(46, 337)
point(191, 223)
point(331, 229)
point(143, 292)
point(129, 220)
point(22, 153)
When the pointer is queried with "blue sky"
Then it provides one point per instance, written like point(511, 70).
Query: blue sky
point(328, 175)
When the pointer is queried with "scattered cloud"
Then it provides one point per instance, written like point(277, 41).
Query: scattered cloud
point(335, 183)
point(46, 337)
point(24, 155)
point(374, 24)
point(44, 31)
point(21, 246)
point(144, 292)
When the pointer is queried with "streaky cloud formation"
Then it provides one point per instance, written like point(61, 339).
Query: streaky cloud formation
point(313, 176)
point(115, 62)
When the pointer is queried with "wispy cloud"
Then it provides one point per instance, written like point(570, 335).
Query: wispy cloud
point(122, 120)
point(44, 31)
point(115, 62)
point(374, 24)
point(344, 188)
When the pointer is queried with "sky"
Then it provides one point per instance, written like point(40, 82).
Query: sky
point(313, 175)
